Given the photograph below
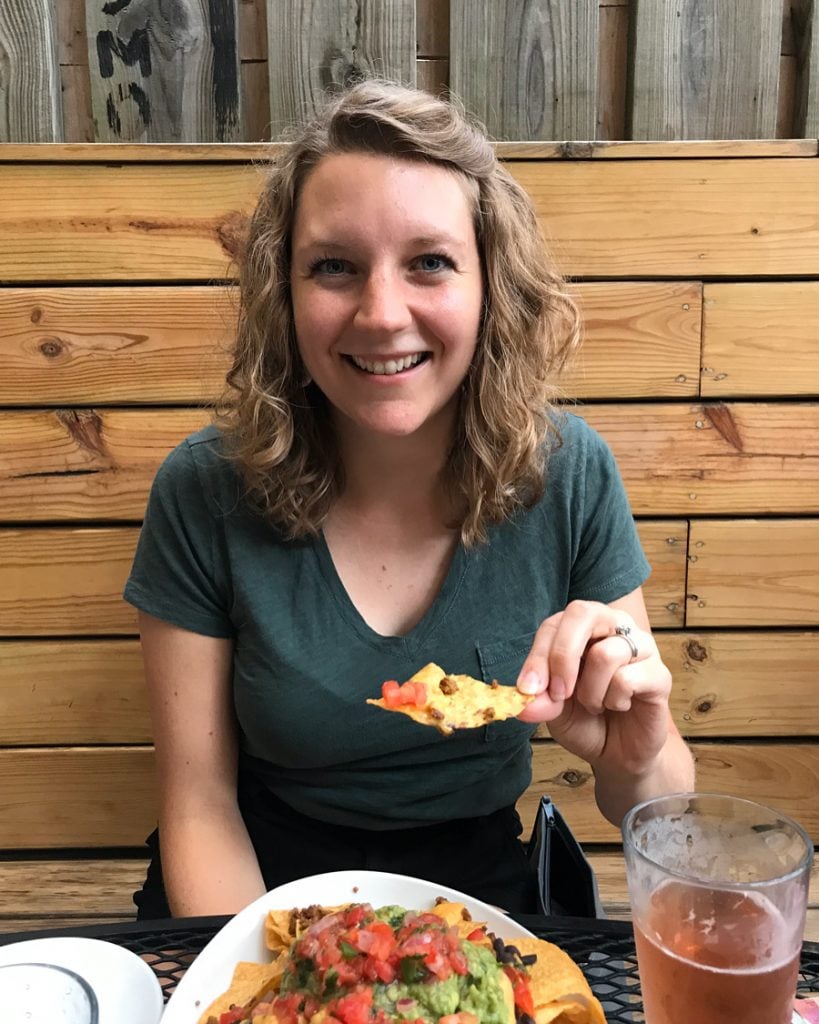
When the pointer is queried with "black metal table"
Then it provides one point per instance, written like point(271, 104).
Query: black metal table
point(603, 949)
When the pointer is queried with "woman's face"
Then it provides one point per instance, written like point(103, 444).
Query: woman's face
point(387, 290)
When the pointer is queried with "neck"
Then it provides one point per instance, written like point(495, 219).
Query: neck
point(395, 472)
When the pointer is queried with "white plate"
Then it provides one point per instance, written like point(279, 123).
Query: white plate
point(126, 988)
point(242, 938)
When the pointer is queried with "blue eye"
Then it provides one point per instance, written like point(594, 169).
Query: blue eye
point(331, 267)
point(433, 262)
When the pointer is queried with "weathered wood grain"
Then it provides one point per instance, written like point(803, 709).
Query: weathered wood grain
point(318, 46)
point(45, 889)
point(760, 339)
point(612, 70)
point(728, 218)
point(618, 219)
point(246, 152)
point(806, 112)
point(61, 692)
point(432, 75)
point(63, 582)
point(127, 222)
point(528, 71)
point(81, 796)
point(164, 72)
point(640, 339)
point(752, 458)
point(67, 581)
point(170, 344)
point(753, 572)
point(665, 544)
point(159, 345)
point(432, 28)
point(757, 683)
point(83, 463)
point(30, 98)
point(705, 70)
point(781, 775)
point(746, 684)
point(718, 458)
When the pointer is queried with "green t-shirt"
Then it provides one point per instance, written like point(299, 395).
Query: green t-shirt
point(305, 660)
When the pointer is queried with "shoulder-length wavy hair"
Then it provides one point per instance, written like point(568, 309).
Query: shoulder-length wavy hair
point(276, 424)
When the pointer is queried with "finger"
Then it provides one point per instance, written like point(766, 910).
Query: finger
point(534, 673)
point(599, 685)
point(581, 625)
point(542, 709)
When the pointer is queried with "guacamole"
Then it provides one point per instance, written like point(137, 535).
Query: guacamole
point(392, 966)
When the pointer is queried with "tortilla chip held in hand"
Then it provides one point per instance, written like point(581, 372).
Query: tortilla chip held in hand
point(431, 697)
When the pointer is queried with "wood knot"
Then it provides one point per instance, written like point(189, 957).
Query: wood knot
point(36, 315)
point(231, 232)
point(703, 705)
point(695, 651)
point(572, 778)
point(51, 347)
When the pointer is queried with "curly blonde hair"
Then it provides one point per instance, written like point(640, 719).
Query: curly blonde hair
point(276, 424)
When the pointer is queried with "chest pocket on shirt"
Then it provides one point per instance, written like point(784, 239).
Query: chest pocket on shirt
point(502, 660)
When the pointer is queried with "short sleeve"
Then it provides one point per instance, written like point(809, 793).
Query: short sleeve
point(609, 561)
point(177, 574)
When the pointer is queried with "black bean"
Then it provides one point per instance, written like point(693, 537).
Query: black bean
point(529, 959)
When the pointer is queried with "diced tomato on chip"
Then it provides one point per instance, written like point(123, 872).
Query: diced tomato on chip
point(521, 991)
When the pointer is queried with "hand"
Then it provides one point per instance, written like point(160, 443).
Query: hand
point(601, 702)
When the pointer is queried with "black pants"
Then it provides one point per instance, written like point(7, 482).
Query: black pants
point(481, 856)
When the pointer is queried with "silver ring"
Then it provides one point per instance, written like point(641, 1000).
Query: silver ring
point(625, 633)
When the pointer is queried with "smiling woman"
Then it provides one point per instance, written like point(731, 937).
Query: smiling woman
point(387, 294)
point(387, 485)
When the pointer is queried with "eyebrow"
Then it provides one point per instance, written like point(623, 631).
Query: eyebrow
point(420, 241)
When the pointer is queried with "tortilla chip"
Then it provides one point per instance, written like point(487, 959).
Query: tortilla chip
point(457, 916)
point(459, 702)
point(249, 983)
point(283, 927)
point(558, 986)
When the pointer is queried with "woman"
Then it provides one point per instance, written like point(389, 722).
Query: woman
point(387, 486)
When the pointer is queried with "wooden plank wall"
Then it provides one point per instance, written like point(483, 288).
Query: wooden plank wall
point(545, 70)
point(699, 367)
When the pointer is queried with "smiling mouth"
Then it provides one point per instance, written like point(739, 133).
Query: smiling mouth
point(390, 366)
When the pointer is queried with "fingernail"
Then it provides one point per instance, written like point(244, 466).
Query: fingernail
point(557, 688)
point(530, 683)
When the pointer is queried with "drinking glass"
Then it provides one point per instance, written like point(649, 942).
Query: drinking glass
point(718, 888)
point(45, 994)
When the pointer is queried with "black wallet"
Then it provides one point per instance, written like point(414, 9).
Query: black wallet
point(566, 881)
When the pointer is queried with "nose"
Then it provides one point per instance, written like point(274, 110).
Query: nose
point(383, 304)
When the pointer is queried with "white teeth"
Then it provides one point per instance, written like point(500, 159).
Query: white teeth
point(391, 366)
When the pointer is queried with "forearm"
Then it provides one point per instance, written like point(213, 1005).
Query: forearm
point(209, 865)
point(672, 771)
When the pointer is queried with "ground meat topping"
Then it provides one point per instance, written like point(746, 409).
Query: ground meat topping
point(448, 685)
point(488, 714)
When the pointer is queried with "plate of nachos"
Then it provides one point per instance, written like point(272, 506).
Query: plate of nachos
point(365, 947)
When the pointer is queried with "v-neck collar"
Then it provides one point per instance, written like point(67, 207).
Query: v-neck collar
point(412, 642)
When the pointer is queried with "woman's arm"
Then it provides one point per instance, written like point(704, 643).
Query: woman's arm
point(606, 705)
point(208, 862)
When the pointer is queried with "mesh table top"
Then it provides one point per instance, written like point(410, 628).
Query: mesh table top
point(603, 949)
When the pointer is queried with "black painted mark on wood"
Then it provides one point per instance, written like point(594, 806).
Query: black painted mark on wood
point(140, 97)
point(112, 115)
point(225, 76)
point(115, 6)
point(136, 49)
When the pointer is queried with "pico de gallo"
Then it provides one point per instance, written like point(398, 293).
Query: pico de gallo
point(391, 966)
